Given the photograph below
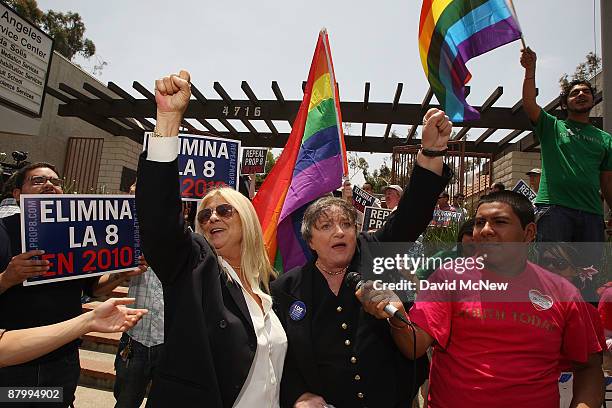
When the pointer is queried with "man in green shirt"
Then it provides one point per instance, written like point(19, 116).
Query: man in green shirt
point(576, 163)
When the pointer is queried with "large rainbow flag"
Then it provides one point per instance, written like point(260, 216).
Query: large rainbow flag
point(312, 164)
point(451, 32)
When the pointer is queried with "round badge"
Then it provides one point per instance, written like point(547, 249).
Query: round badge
point(297, 310)
point(540, 301)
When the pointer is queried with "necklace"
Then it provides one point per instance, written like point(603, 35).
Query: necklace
point(321, 268)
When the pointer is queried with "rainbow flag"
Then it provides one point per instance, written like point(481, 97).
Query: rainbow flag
point(451, 32)
point(312, 164)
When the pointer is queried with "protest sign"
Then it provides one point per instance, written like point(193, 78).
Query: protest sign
point(374, 218)
point(523, 188)
point(82, 235)
point(253, 161)
point(206, 163)
point(362, 199)
point(445, 218)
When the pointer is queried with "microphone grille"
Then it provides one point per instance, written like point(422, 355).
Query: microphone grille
point(352, 280)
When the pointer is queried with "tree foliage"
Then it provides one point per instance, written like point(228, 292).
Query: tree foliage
point(584, 71)
point(67, 29)
point(378, 178)
point(270, 162)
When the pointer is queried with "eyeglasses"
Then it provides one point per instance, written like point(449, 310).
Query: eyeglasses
point(222, 210)
point(556, 263)
point(41, 180)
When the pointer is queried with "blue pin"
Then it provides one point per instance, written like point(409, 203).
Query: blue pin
point(297, 310)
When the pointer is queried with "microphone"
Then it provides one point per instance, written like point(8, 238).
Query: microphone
point(353, 281)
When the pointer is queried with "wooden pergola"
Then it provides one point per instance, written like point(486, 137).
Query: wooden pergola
point(121, 114)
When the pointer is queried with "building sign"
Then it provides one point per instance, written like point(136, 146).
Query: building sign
point(523, 188)
point(83, 235)
point(374, 218)
point(25, 56)
point(242, 110)
point(253, 161)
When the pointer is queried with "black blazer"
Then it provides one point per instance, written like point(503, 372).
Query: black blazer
point(412, 216)
point(209, 338)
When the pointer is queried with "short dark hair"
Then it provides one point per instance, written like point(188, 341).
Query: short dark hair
point(459, 195)
point(565, 91)
point(467, 228)
point(499, 185)
point(319, 208)
point(520, 205)
point(21, 173)
point(444, 194)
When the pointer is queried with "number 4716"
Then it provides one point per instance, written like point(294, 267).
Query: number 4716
point(253, 111)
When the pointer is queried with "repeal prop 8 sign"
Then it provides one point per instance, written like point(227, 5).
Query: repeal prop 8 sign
point(374, 218)
point(82, 235)
point(253, 161)
point(206, 163)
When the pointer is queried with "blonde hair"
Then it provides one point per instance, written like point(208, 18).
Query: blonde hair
point(254, 263)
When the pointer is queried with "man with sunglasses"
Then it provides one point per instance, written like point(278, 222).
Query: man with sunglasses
point(23, 307)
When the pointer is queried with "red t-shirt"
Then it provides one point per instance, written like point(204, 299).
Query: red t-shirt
point(502, 348)
point(605, 307)
point(566, 365)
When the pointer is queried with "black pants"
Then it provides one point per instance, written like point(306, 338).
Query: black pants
point(62, 372)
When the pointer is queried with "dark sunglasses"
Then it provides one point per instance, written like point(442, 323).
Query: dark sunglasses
point(556, 263)
point(222, 210)
point(40, 180)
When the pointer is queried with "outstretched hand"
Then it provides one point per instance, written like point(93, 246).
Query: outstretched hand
point(112, 316)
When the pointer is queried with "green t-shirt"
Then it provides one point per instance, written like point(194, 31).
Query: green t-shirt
point(573, 155)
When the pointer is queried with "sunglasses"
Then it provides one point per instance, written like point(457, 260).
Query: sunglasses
point(41, 180)
point(222, 210)
point(556, 263)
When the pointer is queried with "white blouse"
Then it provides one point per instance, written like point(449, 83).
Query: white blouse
point(262, 386)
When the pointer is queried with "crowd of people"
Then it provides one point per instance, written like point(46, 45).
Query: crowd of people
point(220, 328)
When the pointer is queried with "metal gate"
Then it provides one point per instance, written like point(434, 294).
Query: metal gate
point(473, 171)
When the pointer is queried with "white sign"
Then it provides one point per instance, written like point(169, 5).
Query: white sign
point(25, 55)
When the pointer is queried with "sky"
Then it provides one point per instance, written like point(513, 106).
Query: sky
point(376, 42)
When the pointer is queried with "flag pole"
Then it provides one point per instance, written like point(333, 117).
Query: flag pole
point(513, 9)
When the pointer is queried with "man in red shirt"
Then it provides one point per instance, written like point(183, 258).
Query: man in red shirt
point(501, 347)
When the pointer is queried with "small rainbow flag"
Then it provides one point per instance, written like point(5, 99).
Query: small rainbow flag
point(451, 32)
point(312, 164)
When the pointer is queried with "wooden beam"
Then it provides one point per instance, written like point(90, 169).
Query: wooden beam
point(207, 125)
point(411, 132)
point(228, 125)
point(121, 92)
point(396, 98)
point(198, 95)
point(73, 92)
point(58, 95)
point(366, 100)
point(511, 136)
point(277, 92)
point(484, 136)
point(427, 99)
point(219, 89)
point(366, 96)
point(143, 91)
